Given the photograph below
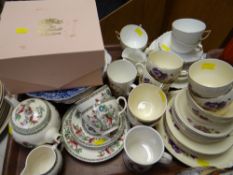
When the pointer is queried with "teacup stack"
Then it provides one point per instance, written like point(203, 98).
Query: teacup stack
point(187, 34)
point(200, 118)
point(94, 129)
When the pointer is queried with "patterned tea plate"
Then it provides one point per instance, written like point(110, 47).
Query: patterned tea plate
point(224, 160)
point(85, 154)
point(59, 95)
point(89, 140)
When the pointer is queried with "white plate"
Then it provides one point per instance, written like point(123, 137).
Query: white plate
point(89, 155)
point(199, 148)
point(164, 42)
point(224, 160)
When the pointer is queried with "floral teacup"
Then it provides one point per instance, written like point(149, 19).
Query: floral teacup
point(104, 117)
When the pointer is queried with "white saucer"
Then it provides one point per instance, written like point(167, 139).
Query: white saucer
point(164, 42)
point(224, 160)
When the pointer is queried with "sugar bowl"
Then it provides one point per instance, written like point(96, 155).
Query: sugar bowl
point(35, 122)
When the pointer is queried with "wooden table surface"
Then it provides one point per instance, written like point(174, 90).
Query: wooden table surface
point(16, 155)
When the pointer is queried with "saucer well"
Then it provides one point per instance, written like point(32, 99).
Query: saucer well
point(224, 160)
point(89, 155)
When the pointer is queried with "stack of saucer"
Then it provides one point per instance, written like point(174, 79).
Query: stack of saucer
point(84, 135)
point(5, 109)
point(200, 135)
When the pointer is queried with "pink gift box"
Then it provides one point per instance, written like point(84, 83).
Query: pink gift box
point(47, 45)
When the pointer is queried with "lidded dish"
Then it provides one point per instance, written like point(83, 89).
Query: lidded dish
point(35, 122)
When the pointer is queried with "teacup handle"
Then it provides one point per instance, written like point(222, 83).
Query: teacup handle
point(183, 73)
point(166, 158)
point(140, 68)
point(52, 135)
point(125, 104)
point(118, 35)
point(206, 34)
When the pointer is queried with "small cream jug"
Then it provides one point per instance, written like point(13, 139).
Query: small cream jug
point(44, 159)
point(35, 122)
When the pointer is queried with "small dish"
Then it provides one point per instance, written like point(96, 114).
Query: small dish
point(224, 160)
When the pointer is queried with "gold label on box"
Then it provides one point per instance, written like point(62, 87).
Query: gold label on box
point(50, 26)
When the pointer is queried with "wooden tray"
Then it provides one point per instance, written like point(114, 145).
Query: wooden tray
point(16, 155)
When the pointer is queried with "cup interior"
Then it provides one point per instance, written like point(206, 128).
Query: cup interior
point(133, 36)
point(211, 73)
point(165, 60)
point(143, 145)
point(121, 71)
point(189, 25)
point(41, 160)
point(147, 102)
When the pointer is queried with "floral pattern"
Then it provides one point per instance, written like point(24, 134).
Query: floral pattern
point(155, 72)
point(214, 105)
point(26, 116)
point(89, 155)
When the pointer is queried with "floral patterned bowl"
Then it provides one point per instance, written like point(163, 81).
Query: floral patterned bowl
point(193, 127)
point(224, 115)
point(214, 103)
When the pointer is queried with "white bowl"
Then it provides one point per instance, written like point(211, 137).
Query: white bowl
point(210, 77)
point(224, 115)
point(214, 103)
point(133, 36)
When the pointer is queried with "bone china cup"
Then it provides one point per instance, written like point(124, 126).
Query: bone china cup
point(133, 36)
point(164, 66)
point(144, 147)
point(121, 75)
point(147, 103)
point(189, 31)
point(210, 77)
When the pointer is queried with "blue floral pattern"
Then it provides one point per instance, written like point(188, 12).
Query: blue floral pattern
point(58, 95)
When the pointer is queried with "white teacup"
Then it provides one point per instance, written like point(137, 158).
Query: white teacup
point(144, 147)
point(133, 36)
point(164, 66)
point(210, 77)
point(145, 77)
point(147, 103)
point(121, 74)
point(189, 31)
point(44, 159)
